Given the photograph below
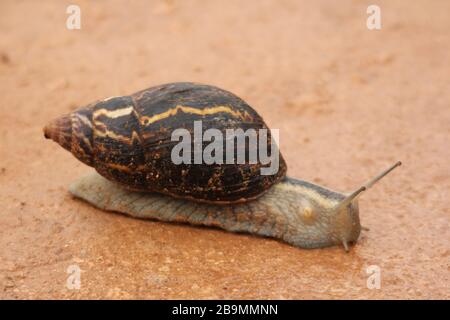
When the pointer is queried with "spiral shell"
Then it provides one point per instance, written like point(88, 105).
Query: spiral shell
point(128, 140)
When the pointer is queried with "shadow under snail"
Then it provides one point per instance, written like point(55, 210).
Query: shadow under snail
point(128, 140)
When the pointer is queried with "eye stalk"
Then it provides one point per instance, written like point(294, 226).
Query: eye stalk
point(377, 178)
point(355, 194)
point(352, 196)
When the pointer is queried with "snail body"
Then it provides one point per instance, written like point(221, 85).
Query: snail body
point(284, 212)
point(128, 140)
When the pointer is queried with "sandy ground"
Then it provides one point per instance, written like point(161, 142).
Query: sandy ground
point(348, 102)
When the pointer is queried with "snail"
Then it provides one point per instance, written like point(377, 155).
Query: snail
point(129, 141)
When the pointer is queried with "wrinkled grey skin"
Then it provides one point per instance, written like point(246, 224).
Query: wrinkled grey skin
point(294, 211)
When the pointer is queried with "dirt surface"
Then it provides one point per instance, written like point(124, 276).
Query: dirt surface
point(348, 103)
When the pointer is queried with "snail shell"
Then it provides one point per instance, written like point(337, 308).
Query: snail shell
point(128, 140)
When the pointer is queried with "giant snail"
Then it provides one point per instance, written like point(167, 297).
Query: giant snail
point(128, 140)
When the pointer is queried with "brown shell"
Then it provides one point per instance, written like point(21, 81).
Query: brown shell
point(129, 140)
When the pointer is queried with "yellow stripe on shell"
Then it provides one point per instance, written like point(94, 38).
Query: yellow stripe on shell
point(112, 114)
point(82, 118)
point(146, 120)
point(109, 98)
point(123, 168)
point(118, 137)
